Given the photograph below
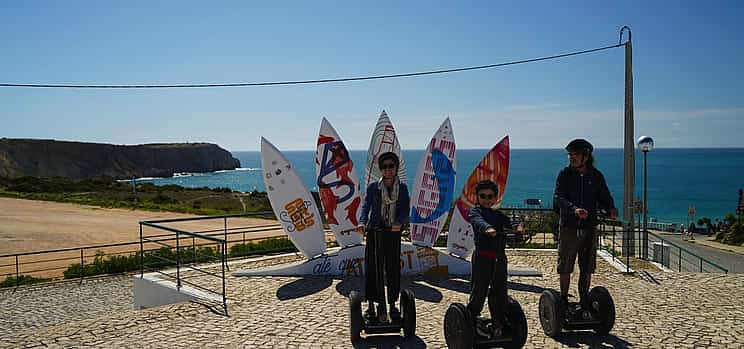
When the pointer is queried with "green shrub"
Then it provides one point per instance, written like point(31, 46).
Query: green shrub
point(441, 241)
point(547, 245)
point(734, 235)
point(10, 281)
point(162, 199)
point(268, 245)
point(612, 251)
point(157, 259)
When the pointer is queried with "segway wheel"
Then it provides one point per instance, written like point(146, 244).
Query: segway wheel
point(517, 322)
point(408, 304)
point(551, 313)
point(459, 331)
point(355, 316)
point(604, 306)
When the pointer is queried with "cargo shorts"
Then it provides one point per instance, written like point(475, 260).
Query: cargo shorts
point(569, 246)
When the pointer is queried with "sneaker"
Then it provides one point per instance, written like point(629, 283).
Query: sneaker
point(382, 313)
point(586, 315)
point(482, 328)
point(370, 313)
point(496, 332)
point(394, 312)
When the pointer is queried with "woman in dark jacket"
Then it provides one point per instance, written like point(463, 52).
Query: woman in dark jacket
point(384, 213)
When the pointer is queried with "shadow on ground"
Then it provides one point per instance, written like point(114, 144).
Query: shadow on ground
point(389, 341)
point(463, 285)
point(517, 286)
point(420, 290)
point(450, 283)
point(303, 287)
point(581, 339)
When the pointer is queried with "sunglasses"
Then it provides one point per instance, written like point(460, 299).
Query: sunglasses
point(387, 166)
point(486, 196)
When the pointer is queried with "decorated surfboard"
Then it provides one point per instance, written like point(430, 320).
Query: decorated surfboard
point(495, 167)
point(338, 186)
point(414, 260)
point(383, 140)
point(433, 188)
point(291, 202)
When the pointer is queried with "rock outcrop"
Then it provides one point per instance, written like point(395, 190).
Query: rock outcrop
point(50, 158)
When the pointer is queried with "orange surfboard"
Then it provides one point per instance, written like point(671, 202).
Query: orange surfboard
point(493, 166)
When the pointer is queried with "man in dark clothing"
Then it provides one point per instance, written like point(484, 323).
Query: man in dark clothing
point(489, 259)
point(580, 191)
point(384, 212)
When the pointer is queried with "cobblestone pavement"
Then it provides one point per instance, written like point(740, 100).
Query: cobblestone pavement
point(55, 303)
point(685, 310)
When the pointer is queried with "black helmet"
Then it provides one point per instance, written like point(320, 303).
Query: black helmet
point(486, 184)
point(580, 146)
point(388, 156)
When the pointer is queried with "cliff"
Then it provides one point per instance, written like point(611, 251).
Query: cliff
point(50, 158)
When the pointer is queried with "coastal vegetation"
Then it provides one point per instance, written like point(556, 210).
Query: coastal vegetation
point(733, 234)
point(106, 192)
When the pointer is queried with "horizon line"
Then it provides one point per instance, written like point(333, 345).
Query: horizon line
point(520, 148)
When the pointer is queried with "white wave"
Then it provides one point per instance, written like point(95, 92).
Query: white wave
point(139, 179)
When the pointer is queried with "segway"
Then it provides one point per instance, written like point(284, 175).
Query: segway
point(358, 323)
point(461, 331)
point(597, 315)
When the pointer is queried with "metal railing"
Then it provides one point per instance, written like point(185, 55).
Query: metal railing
point(195, 257)
point(186, 258)
point(532, 227)
point(656, 249)
point(676, 257)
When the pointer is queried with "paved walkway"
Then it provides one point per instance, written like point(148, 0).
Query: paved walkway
point(711, 242)
point(38, 306)
point(685, 310)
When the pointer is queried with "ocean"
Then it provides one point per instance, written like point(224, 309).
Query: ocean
point(708, 179)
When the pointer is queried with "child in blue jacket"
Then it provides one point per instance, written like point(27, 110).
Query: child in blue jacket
point(489, 259)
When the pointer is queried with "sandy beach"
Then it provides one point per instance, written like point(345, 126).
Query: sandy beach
point(28, 225)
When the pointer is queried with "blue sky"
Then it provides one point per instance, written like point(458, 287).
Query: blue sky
point(688, 79)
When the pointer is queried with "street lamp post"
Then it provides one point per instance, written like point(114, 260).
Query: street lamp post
point(645, 144)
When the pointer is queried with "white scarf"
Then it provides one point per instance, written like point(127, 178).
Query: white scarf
point(389, 201)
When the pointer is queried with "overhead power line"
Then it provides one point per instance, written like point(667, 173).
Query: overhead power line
point(321, 81)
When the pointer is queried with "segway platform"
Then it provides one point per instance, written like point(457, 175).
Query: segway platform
point(461, 331)
point(598, 315)
point(357, 322)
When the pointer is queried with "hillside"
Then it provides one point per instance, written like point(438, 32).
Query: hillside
point(77, 160)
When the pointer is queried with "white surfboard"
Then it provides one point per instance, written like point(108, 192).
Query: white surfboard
point(414, 260)
point(292, 203)
point(495, 167)
point(383, 140)
point(338, 186)
point(434, 187)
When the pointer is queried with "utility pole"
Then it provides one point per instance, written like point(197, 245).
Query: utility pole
point(629, 151)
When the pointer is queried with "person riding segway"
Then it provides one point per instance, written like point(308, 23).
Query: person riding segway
point(507, 327)
point(384, 212)
point(580, 192)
